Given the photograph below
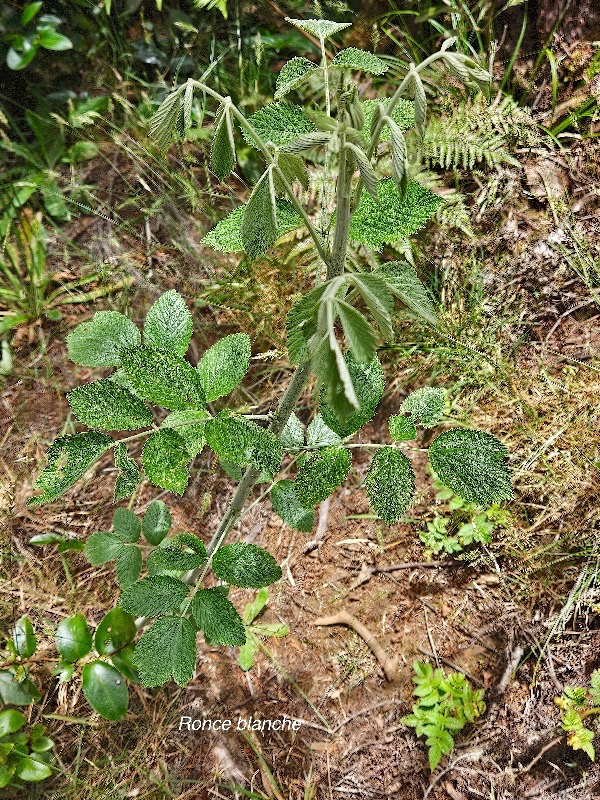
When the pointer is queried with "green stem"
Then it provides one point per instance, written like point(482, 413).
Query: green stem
point(326, 74)
point(343, 211)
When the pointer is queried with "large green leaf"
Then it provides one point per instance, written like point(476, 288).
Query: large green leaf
point(167, 649)
point(129, 565)
point(367, 380)
point(163, 378)
point(245, 565)
point(31, 769)
point(126, 524)
point(17, 693)
point(392, 217)
point(106, 406)
point(321, 474)
point(23, 637)
point(292, 74)
point(390, 484)
point(116, 630)
point(353, 58)
point(98, 342)
point(472, 464)
point(101, 547)
point(222, 150)
point(10, 722)
point(216, 616)
point(156, 522)
point(69, 457)
point(227, 235)
point(279, 123)
point(168, 324)
point(73, 638)
point(242, 442)
point(259, 223)
point(287, 506)
point(153, 595)
point(224, 365)
point(165, 459)
point(190, 426)
point(105, 690)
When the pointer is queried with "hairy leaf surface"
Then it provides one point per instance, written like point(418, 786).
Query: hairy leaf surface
point(245, 565)
point(390, 484)
point(168, 324)
point(287, 506)
point(165, 459)
point(153, 595)
point(279, 123)
point(353, 58)
point(105, 405)
point(128, 475)
point(425, 405)
point(321, 474)
point(226, 236)
point(99, 341)
point(216, 616)
point(367, 380)
point(292, 74)
point(163, 378)
point(224, 365)
point(167, 650)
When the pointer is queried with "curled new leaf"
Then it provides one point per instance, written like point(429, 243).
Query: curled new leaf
point(321, 474)
point(390, 484)
point(245, 565)
point(472, 464)
point(403, 282)
point(222, 151)
point(259, 222)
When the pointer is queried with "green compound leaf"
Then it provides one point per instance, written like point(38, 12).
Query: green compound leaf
point(98, 342)
point(165, 459)
point(403, 282)
point(393, 217)
point(106, 406)
point(367, 380)
point(163, 378)
point(293, 433)
point(245, 565)
point(279, 123)
point(222, 151)
point(153, 595)
point(156, 522)
point(259, 222)
point(390, 484)
point(69, 457)
point(128, 476)
point(292, 74)
point(227, 235)
point(115, 630)
point(402, 429)
point(241, 441)
point(105, 690)
point(168, 325)
point(23, 638)
point(322, 28)
point(224, 365)
point(353, 58)
point(425, 405)
point(321, 474)
point(176, 556)
point(472, 464)
point(102, 547)
point(73, 638)
point(167, 649)
point(287, 506)
point(126, 525)
point(319, 434)
point(129, 565)
point(190, 426)
point(216, 616)
point(403, 115)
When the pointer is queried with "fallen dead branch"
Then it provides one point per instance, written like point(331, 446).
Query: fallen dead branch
point(389, 665)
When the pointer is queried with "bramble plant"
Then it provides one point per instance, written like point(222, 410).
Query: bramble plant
point(445, 704)
point(333, 333)
point(577, 703)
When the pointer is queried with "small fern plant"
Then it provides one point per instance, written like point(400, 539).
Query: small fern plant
point(333, 333)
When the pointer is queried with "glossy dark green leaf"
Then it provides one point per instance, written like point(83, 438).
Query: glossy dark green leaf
point(73, 638)
point(115, 630)
point(105, 690)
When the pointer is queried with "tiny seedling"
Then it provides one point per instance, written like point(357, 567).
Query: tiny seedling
point(445, 704)
point(256, 629)
point(24, 753)
point(578, 703)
